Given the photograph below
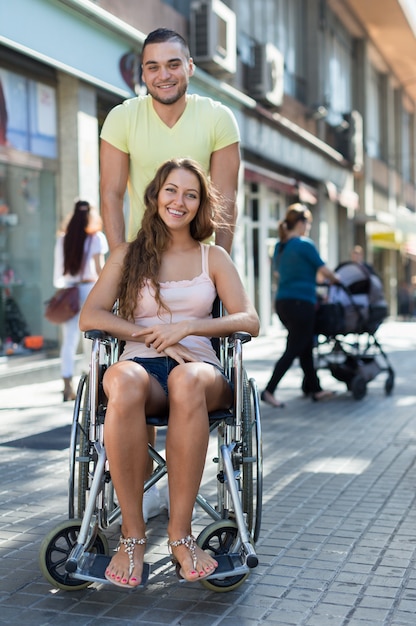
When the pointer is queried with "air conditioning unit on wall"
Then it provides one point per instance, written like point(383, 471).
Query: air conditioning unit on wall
point(265, 77)
point(213, 31)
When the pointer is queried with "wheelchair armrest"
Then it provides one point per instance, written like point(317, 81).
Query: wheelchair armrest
point(97, 334)
point(239, 335)
point(103, 336)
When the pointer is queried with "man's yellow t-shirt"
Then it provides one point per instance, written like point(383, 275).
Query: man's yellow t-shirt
point(135, 128)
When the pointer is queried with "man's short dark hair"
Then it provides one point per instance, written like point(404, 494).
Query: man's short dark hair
point(160, 35)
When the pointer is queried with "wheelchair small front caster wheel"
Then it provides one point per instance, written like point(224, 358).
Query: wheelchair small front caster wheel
point(55, 550)
point(221, 538)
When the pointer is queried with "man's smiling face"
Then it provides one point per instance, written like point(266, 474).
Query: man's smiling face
point(166, 70)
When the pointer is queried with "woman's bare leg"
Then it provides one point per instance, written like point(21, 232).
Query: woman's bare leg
point(128, 388)
point(194, 389)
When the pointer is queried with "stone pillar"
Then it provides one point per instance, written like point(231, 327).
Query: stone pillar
point(68, 182)
point(88, 174)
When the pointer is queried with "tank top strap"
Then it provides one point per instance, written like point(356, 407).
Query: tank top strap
point(204, 253)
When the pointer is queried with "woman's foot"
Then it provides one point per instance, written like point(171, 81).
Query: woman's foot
point(319, 396)
point(269, 398)
point(126, 567)
point(192, 562)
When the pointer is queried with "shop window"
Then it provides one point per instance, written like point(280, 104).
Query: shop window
point(338, 72)
point(27, 114)
point(27, 238)
point(376, 127)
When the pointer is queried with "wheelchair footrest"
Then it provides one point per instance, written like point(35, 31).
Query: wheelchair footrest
point(228, 565)
point(92, 567)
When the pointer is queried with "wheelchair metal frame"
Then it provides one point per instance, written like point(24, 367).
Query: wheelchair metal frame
point(75, 554)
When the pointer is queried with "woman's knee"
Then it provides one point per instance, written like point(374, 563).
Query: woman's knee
point(186, 382)
point(123, 383)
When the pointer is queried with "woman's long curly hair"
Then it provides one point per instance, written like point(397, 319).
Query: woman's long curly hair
point(75, 235)
point(144, 255)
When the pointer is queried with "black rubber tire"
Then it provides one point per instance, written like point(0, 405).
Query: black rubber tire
point(252, 495)
point(79, 451)
point(55, 550)
point(83, 451)
point(221, 538)
point(358, 387)
point(389, 384)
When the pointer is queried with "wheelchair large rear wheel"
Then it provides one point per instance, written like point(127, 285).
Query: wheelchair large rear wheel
point(79, 458)
point(219, 538)
point(56, 548)
point(252, 455)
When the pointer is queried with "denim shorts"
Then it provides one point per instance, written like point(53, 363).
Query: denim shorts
point(161, 366)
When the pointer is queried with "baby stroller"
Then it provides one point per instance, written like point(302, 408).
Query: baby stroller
point(348, 316)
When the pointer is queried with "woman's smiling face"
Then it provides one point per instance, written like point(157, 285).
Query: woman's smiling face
point(179, 198)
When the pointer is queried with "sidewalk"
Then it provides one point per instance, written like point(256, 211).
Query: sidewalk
point(31, 368)
point(338, 539)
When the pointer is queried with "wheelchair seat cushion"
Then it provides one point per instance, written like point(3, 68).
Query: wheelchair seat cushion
point(214, 418)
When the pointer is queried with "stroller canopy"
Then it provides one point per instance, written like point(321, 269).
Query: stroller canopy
point(359, 279)
point(361, 296)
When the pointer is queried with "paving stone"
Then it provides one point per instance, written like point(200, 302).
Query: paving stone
point(338, 543)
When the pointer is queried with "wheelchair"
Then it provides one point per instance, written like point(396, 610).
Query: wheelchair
point(75, 554)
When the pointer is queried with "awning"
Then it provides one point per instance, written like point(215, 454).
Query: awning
point(345, 197)
point(391, 233)
point(273, 180)
point(409, 248)
point(307, 193)
point(281, 183)
point(389, 240)
point(349, 199)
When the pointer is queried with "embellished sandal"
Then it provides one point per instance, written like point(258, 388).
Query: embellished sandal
point(129, 544)
point(188, 542)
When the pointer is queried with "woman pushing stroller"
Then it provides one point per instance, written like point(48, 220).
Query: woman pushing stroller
point(298, 263)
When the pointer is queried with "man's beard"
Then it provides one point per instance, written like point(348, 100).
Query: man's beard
point(171, 99)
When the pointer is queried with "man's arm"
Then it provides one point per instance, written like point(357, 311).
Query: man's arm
point(114, 171)
point(224, 167)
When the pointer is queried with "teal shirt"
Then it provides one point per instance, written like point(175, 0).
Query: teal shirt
point(297, 265)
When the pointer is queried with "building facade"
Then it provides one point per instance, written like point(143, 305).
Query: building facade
point(324, 92)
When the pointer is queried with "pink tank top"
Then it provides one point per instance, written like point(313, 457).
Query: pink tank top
point(187, 300)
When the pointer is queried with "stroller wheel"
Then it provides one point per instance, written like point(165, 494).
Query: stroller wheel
point(389, 384)
point(358, 387)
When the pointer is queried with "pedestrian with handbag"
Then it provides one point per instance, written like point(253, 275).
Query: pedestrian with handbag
point(78, 260)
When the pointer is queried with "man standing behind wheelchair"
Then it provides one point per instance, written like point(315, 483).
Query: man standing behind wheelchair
point(166, 281)
point(143, 132)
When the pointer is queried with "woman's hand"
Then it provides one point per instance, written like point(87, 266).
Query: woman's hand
point(179, 353)
point(162, 336)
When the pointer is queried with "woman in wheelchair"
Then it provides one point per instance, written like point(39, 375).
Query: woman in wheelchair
point(166, 281)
